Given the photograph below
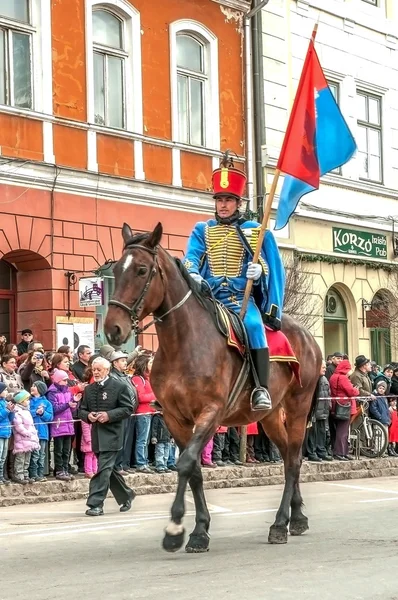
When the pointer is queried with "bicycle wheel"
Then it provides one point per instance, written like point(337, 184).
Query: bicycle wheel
point(377, 444)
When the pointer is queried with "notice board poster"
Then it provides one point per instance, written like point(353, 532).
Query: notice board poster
point(75, 331)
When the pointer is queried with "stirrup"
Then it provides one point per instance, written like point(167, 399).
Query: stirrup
point(263, 401)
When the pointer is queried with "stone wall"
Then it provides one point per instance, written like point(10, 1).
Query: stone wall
point(262, 475)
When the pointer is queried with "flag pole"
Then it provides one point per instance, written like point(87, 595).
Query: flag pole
point(263, 229)
point(265, 221)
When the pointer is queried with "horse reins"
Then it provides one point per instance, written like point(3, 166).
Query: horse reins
point(133, 310)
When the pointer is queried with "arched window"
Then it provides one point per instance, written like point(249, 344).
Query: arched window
point(378, 320)
point(114, 81)
point(109, 69)
point(335, 323)
point(194, 84)
point(192, 81)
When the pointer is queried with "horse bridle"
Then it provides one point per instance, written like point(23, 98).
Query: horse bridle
point(137, 306)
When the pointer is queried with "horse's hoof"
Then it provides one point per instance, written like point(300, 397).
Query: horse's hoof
point(198, 543)
point(277, 535)
point(172, 543)
point(298, 527)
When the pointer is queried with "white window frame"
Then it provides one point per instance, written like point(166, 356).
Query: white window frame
point(211, 99)
point(133, 72)
point(39, 28)
point(364, 124)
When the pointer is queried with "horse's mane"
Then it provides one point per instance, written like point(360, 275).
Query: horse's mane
point(196, 288)
point(201, 297)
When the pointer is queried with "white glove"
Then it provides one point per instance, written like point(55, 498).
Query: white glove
point(254, 271)
point(196, 277)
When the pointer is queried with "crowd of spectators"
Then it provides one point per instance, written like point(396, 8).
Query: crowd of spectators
point(41, 434)
point(341, 386)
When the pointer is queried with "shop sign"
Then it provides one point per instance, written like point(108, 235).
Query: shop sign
point(91, 291)
point(359, 243)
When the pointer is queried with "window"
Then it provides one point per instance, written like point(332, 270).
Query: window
point(369, 139)
point(192, 81)
point(15, 54)
point(335, 323)
point(194, 84)
point(335, 89)
point(109, 69)
point(113, 56)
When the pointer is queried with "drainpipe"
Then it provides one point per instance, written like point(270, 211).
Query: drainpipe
point(255, 121)
point(258, 99)
point(249, 114)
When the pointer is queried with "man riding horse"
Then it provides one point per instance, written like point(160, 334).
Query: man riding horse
point(220, 252)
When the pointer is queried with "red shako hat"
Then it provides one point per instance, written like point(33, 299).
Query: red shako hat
point(228, 181)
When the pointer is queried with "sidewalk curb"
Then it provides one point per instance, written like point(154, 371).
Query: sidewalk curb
point(222, 477)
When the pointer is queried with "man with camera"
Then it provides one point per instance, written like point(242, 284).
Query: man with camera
point(106, 403)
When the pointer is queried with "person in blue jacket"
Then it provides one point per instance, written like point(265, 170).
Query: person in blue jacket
point(220, 251)
point(42, 412)
point(378, 408)
point(6, 418)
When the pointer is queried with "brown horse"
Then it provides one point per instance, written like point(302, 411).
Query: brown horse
point(192, 376)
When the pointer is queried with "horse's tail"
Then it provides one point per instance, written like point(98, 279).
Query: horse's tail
point(312, 410)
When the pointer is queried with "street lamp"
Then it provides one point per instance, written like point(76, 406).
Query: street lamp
point(365, 307)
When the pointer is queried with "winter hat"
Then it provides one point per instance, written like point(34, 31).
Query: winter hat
point(21, 397)
point(2, 386)
point(40, 386)
point(59, 376)
point(361, 360)
point(382, 383)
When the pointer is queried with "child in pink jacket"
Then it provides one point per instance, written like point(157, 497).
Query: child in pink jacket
point(90, 460)
point(25, 437)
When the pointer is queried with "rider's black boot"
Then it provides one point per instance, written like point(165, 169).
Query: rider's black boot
point(260, 398)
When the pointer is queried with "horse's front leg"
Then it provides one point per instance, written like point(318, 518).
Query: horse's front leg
point(187, 467)
point(199, 538)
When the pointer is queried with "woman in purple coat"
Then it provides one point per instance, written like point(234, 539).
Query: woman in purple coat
point(62, 431)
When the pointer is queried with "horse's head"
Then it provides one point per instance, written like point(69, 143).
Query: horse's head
point(138, 284)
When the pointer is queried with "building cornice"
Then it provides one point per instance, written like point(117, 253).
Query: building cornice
point(104, 187)
point(241, 5)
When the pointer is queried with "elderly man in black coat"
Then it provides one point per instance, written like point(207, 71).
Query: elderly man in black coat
point(106, 403)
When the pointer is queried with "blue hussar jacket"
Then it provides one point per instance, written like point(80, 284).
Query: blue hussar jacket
point(6, 418)
point(217, 252)
point(41, 421)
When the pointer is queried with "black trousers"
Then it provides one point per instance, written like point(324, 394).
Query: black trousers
point(232, 445)
point(218, 445)
point(107, 477)
point(261, 445)
point(128, 459)
point(316, 439)
point(62, 446)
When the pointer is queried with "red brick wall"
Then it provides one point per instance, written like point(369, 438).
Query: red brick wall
point(85, 234)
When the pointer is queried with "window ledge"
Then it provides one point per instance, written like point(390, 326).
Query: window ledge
point(241, 5)
point(123, 133)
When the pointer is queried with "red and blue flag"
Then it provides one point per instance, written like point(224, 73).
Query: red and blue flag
point(317, 139)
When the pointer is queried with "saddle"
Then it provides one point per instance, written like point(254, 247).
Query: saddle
point(227, 322)
point(231, 326)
